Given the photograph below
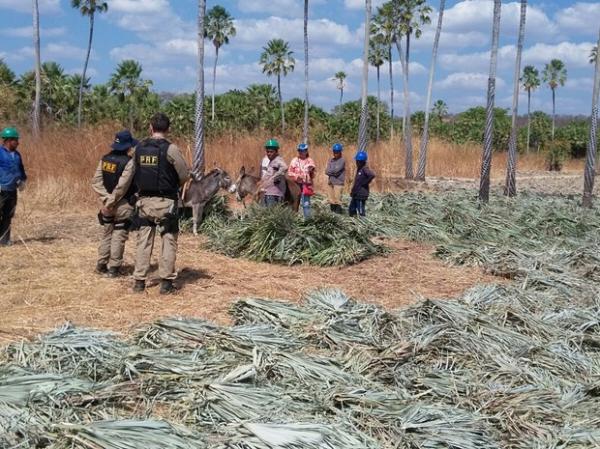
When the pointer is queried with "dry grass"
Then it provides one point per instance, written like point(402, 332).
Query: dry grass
point(62, 164)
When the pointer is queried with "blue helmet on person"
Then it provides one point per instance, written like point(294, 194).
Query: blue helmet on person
point(361, 156)
point(303, 147)
point(337, 148)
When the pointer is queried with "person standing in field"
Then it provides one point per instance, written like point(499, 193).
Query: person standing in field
point(12, 178)
point(302, 171)
point(160, 172)
point(273, 170)
point(360, 188)
point(113, 182)
point(336, 173)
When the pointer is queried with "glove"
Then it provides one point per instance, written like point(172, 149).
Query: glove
point(21, 185)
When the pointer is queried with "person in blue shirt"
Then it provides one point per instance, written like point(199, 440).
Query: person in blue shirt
point(12, 178)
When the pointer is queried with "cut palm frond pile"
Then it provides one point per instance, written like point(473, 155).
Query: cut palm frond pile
point(278, 235)
point(511, 366)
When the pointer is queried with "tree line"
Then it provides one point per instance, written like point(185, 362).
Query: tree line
point(394, 25)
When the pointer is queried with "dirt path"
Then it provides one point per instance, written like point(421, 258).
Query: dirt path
point(47, 279)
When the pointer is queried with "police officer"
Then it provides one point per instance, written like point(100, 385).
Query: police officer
point(113, 182)
point(160, 171)
point(12, 178)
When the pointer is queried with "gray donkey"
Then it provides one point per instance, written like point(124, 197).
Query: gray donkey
point(247, 185)
point(201, 191)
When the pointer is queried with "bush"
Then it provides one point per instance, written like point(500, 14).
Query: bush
point(557, 153)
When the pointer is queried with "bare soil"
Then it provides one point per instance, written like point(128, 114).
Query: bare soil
point(47, 278)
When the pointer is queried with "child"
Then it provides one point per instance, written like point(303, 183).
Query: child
point(360, 188)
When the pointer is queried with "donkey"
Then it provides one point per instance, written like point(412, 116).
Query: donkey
point(248, 185)
point(201, 190)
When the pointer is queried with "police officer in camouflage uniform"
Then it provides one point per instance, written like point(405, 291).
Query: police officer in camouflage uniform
point(113, 182)
point(160, 171)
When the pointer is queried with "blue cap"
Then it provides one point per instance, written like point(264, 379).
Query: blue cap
point(303, 147)
point(361, 156)
point(124, 141)
point(337, 148)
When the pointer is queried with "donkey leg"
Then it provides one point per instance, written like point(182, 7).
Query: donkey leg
point(196, 216)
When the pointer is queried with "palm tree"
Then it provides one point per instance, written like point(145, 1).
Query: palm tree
point(593, 54)
point(383, 29)
point(439, 109)
point(198, 162)
point(377, 56)
point(588, 180)
point(486, 160)
point(87, 8)
point(530, 81)
point(425, 137)
point(277, 59)
point(555, 74)
point(219, 29)
point(410, 15)
point(511, 168)
point(306, 81)
point(340, 78)
point(38, 70)
point(126, 82)
point(364, 113)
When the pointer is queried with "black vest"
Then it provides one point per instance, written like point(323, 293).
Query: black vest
point(154, 174)
point(113, 165)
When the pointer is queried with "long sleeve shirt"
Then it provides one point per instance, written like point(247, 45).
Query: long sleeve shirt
point(12, 171)
point(301, 170)
point(336, 171)
point(272, 174)
point(360, 188)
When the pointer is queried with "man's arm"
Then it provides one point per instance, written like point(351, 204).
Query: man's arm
point(98, 185)
point(22, 169)
point(181, 167)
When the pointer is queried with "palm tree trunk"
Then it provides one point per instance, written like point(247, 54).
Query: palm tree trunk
point(212, 115)
point(486, 160)
point(553, 110)
point(588, 180)
point(341, 95)
point(363, 126)
point(378, 103)
point(281, 103)
point(425, 137)
point(198, 164)
point(85, 66)
point(511, 170)
point(390, 62)
point(306, 80)
point(406, 120)
point(38, 70)
point(528, 119)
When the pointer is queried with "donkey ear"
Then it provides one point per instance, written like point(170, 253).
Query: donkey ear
point(242, 170)
point(215, 164)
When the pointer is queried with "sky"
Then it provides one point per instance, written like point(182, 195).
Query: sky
point(161, 35)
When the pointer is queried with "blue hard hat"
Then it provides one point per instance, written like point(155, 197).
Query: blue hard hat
point(361, 156)
point(303, 147)
point(337, 148)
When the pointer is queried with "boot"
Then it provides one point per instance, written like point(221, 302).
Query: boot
point(113, 272)
point(338, 209)
point(101, 268)
point(166, 287)
point(332, 208)
point(139, 286)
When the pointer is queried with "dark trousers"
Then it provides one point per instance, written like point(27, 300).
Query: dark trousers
point(272, 200)
point(357, 207)
point(8, 205)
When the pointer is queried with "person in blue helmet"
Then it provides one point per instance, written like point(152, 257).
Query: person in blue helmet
point(302, 171)
point(336, 174)
point(12, 178)
point(360, 189)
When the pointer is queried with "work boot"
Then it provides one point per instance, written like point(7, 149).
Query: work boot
point(332, 207)
point(139, 286)
point(338, 209)
point(166, 287)
point(113, 272)
point(101, 268)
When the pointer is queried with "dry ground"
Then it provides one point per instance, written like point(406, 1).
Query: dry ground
point(47, 278)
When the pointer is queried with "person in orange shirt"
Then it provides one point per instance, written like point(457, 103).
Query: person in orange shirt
point(302, 171)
